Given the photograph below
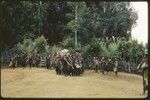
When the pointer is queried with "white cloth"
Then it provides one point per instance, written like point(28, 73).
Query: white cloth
point(10, 64)
point(115, 69)
point(63, 52)
point(77, 66)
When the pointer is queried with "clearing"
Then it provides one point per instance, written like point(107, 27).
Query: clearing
point(43, 83)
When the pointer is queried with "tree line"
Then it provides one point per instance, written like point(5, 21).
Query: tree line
point(103, 28)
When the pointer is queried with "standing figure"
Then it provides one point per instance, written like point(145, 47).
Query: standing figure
point(34, 61)
point(70, 64)
point(144, 67)
point(109, 65)
point(65, 65)
point(78, 63)
point(103, 64)
point(13, 62)
point(116, 67)
point(23, 58)
point(37, 60)
point(57, 64)
point(81, 63)
point(96, 64)
point(30, 60)
point(106, 68)
point(48, 62)
point(73, 63)
point(17, 60)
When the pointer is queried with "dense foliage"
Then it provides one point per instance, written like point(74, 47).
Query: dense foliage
point(102, 19)
point(32, 19)
point(32, 46)
point(103, 28)
point(122, 49)
point(56, 20)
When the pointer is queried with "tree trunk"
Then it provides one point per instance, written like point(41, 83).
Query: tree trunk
point(39, 12)
point(76, 29)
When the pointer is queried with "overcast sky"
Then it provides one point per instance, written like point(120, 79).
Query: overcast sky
point(140, 32)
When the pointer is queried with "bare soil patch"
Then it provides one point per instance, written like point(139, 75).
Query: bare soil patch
point(43, 83)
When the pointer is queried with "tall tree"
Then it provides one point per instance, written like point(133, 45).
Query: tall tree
point(104, 19)
point(29, 19)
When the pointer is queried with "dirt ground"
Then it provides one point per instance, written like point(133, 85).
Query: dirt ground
point(43, 83)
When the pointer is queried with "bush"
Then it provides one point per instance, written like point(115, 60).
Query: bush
point(123, 49)
point(54, 49)
point(96, 47)
point(87, 56)
point(130, 50)
point(68, 42)
point(28, 46)
point(40, 44)
point(113, 51)
point(127, 50)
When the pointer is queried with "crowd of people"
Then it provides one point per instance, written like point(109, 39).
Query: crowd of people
point(69, 64)
point(27, 60)
point(66, 64)
point(105, 64)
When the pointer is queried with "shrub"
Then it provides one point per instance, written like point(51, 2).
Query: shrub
point(68, 42)
point(54, 49)
point(29, 46)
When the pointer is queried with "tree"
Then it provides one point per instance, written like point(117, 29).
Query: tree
point(130, 50)
point(104, 19)
point(38, 45)
point(20, 18)
point(32, 19)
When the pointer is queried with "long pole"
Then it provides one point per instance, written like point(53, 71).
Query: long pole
point(76, 24)
point(39, 12)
